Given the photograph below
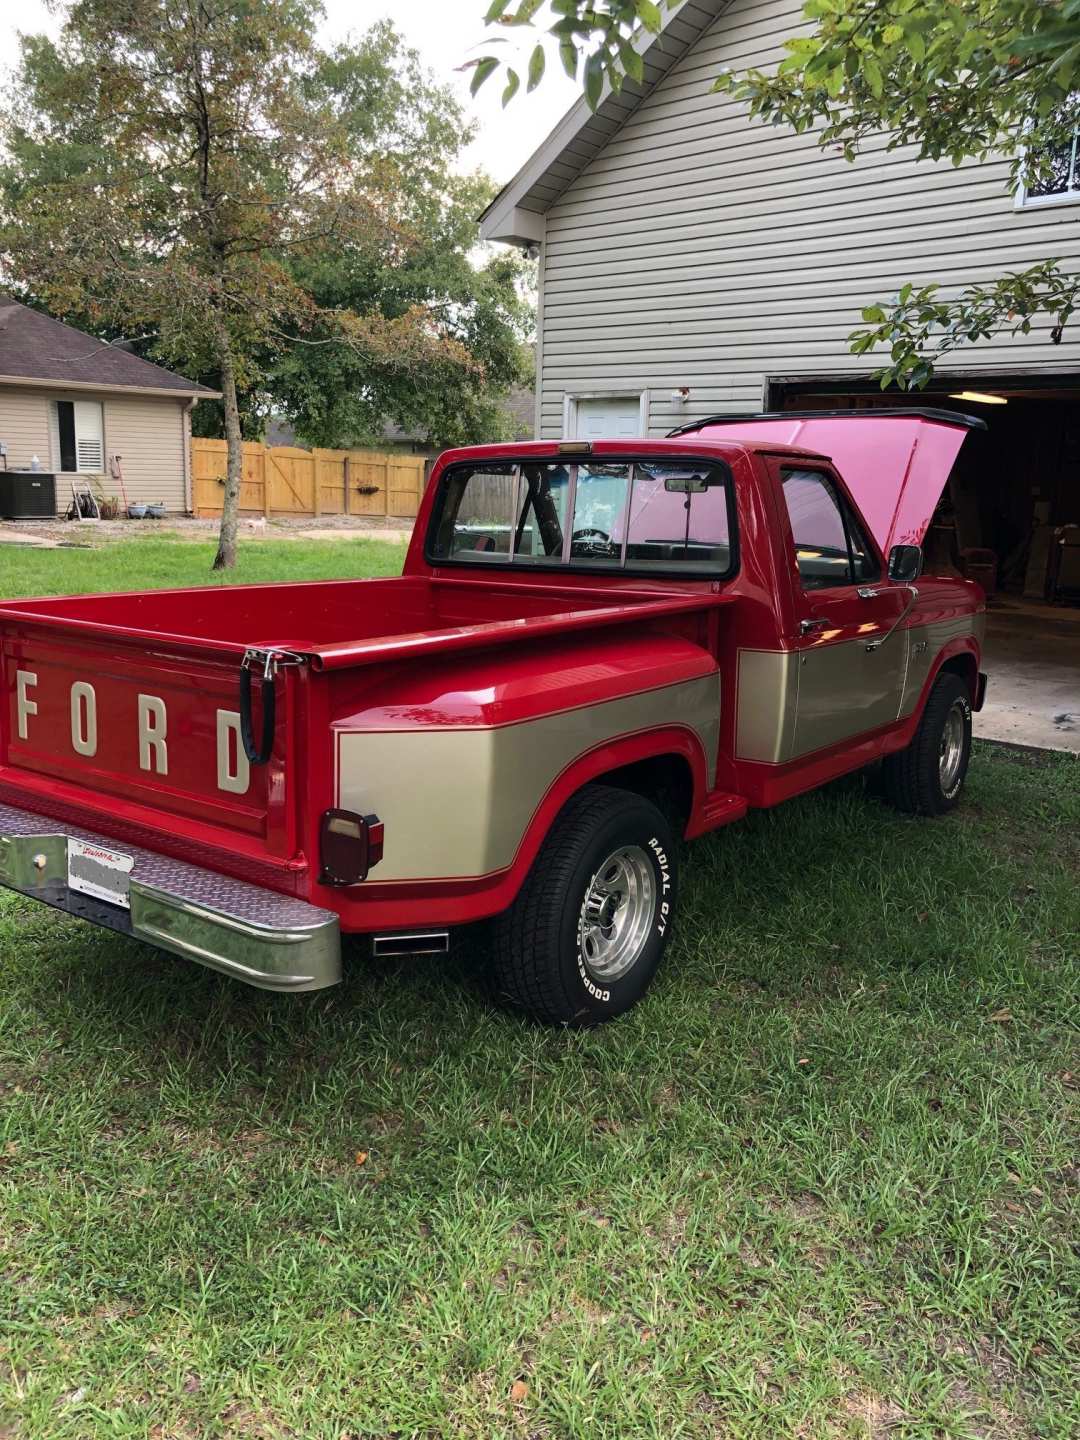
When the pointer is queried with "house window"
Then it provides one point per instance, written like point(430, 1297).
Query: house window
point(1059, 177)
point(78, 436)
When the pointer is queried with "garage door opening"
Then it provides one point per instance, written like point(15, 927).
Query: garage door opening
point(1010, 518)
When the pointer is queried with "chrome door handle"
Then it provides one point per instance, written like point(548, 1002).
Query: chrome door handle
point(807, 627)
point(913, 595)
point(867, 592)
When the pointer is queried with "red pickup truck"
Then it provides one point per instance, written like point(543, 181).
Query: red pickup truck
point(594, 652)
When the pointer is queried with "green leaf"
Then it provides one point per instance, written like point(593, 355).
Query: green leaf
point(892, 33)
point(634, 65)
point(495, 9)
point(872, 73)
point(484, 69)
point(569, 56)
point(512, 85)
point(594, 79)
point(916, 45)
point(524, 13)
point(649, 15)
point(537, 62)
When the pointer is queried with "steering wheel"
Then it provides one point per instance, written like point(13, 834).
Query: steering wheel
point(593, 541)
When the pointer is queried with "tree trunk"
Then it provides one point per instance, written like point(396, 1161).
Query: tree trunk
point(225, 558)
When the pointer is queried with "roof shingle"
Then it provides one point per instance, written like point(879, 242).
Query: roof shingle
point(36, 347)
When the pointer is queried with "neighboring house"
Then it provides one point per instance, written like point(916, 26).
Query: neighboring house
point(694, 262)
point(85, 409)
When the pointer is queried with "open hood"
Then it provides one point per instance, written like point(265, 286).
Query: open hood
point(894, 462)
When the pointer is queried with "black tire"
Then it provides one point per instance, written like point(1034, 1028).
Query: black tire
point(541, 953)
point(912, 779)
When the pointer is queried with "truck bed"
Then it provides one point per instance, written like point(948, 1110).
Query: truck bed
point(180, 652)
point(348, 622)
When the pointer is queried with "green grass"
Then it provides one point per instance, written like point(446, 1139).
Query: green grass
point(822, 1183)
point(153, 563)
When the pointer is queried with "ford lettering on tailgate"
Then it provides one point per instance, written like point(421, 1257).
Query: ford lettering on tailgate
point(149, 730)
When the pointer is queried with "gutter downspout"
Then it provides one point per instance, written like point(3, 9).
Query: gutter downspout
point(185, 427)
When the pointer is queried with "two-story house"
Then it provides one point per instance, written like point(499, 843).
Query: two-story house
point(694, 262)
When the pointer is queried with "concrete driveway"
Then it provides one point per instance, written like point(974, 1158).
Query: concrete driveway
point(1033, 663)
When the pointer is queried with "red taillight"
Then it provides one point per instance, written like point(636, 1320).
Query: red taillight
point(349, 845)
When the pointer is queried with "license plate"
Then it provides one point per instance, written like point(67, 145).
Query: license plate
point(93, 870)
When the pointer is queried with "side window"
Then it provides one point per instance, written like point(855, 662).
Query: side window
point(863, 560)
point(830, 547)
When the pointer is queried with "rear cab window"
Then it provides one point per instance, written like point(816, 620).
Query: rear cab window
point(665, 516)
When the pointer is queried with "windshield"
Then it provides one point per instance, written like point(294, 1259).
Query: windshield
point(672, 516)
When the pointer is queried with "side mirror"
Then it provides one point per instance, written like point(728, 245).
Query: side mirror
point(905, 563)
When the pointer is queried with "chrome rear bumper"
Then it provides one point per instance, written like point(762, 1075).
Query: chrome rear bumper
point(266, 939)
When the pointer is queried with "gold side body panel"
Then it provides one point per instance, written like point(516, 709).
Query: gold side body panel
point(768, 691)
point(846, 690)
point(456, 802)
point(791, 703)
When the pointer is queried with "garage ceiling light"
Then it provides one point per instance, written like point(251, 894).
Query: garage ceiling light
point(978, 397)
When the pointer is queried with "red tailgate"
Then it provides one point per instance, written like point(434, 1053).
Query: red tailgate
point(144, 739)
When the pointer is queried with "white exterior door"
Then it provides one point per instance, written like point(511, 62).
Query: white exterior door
point(609, 417)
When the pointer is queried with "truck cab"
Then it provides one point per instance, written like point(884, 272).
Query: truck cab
point(595, 652)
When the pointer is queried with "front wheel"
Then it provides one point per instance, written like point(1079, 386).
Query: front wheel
point(926, 778)
point(588, 929)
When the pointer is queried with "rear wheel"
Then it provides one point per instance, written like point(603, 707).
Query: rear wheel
point(587, 931)
point(926, 778)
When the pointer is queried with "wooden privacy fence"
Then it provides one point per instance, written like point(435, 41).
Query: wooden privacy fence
point(284, 480)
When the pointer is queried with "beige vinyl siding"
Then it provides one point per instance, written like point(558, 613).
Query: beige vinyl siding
point(24, 427)
point(148, 433)
point(701, 249)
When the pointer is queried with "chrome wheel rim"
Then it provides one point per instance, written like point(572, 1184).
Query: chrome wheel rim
point(617, 913)
point(952, 748)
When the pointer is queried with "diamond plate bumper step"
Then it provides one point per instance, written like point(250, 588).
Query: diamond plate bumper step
point(272, 941)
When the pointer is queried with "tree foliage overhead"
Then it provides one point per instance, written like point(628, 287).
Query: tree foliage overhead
point(327, 390)
point(958, 80)
point(595, 36)
point(195, 170)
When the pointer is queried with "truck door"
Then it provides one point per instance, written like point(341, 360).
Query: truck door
point(851, 645)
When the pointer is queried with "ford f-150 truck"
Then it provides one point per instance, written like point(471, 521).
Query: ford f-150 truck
point(595, 651)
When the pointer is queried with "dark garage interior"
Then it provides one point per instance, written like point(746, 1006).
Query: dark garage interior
point(1010, 518)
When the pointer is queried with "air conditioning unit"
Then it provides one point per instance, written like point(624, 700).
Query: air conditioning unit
point(27, 495)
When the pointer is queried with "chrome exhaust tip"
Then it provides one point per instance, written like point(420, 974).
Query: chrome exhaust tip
point(423, 942)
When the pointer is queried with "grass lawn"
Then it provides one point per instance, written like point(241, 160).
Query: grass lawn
point(822, 1183)
point(154, 563)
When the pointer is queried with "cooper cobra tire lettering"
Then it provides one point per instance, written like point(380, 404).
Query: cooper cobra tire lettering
point(603, 995)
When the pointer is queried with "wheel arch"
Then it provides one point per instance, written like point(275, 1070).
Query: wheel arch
point(962, 662)
point(667, 766)
point(957, 657)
